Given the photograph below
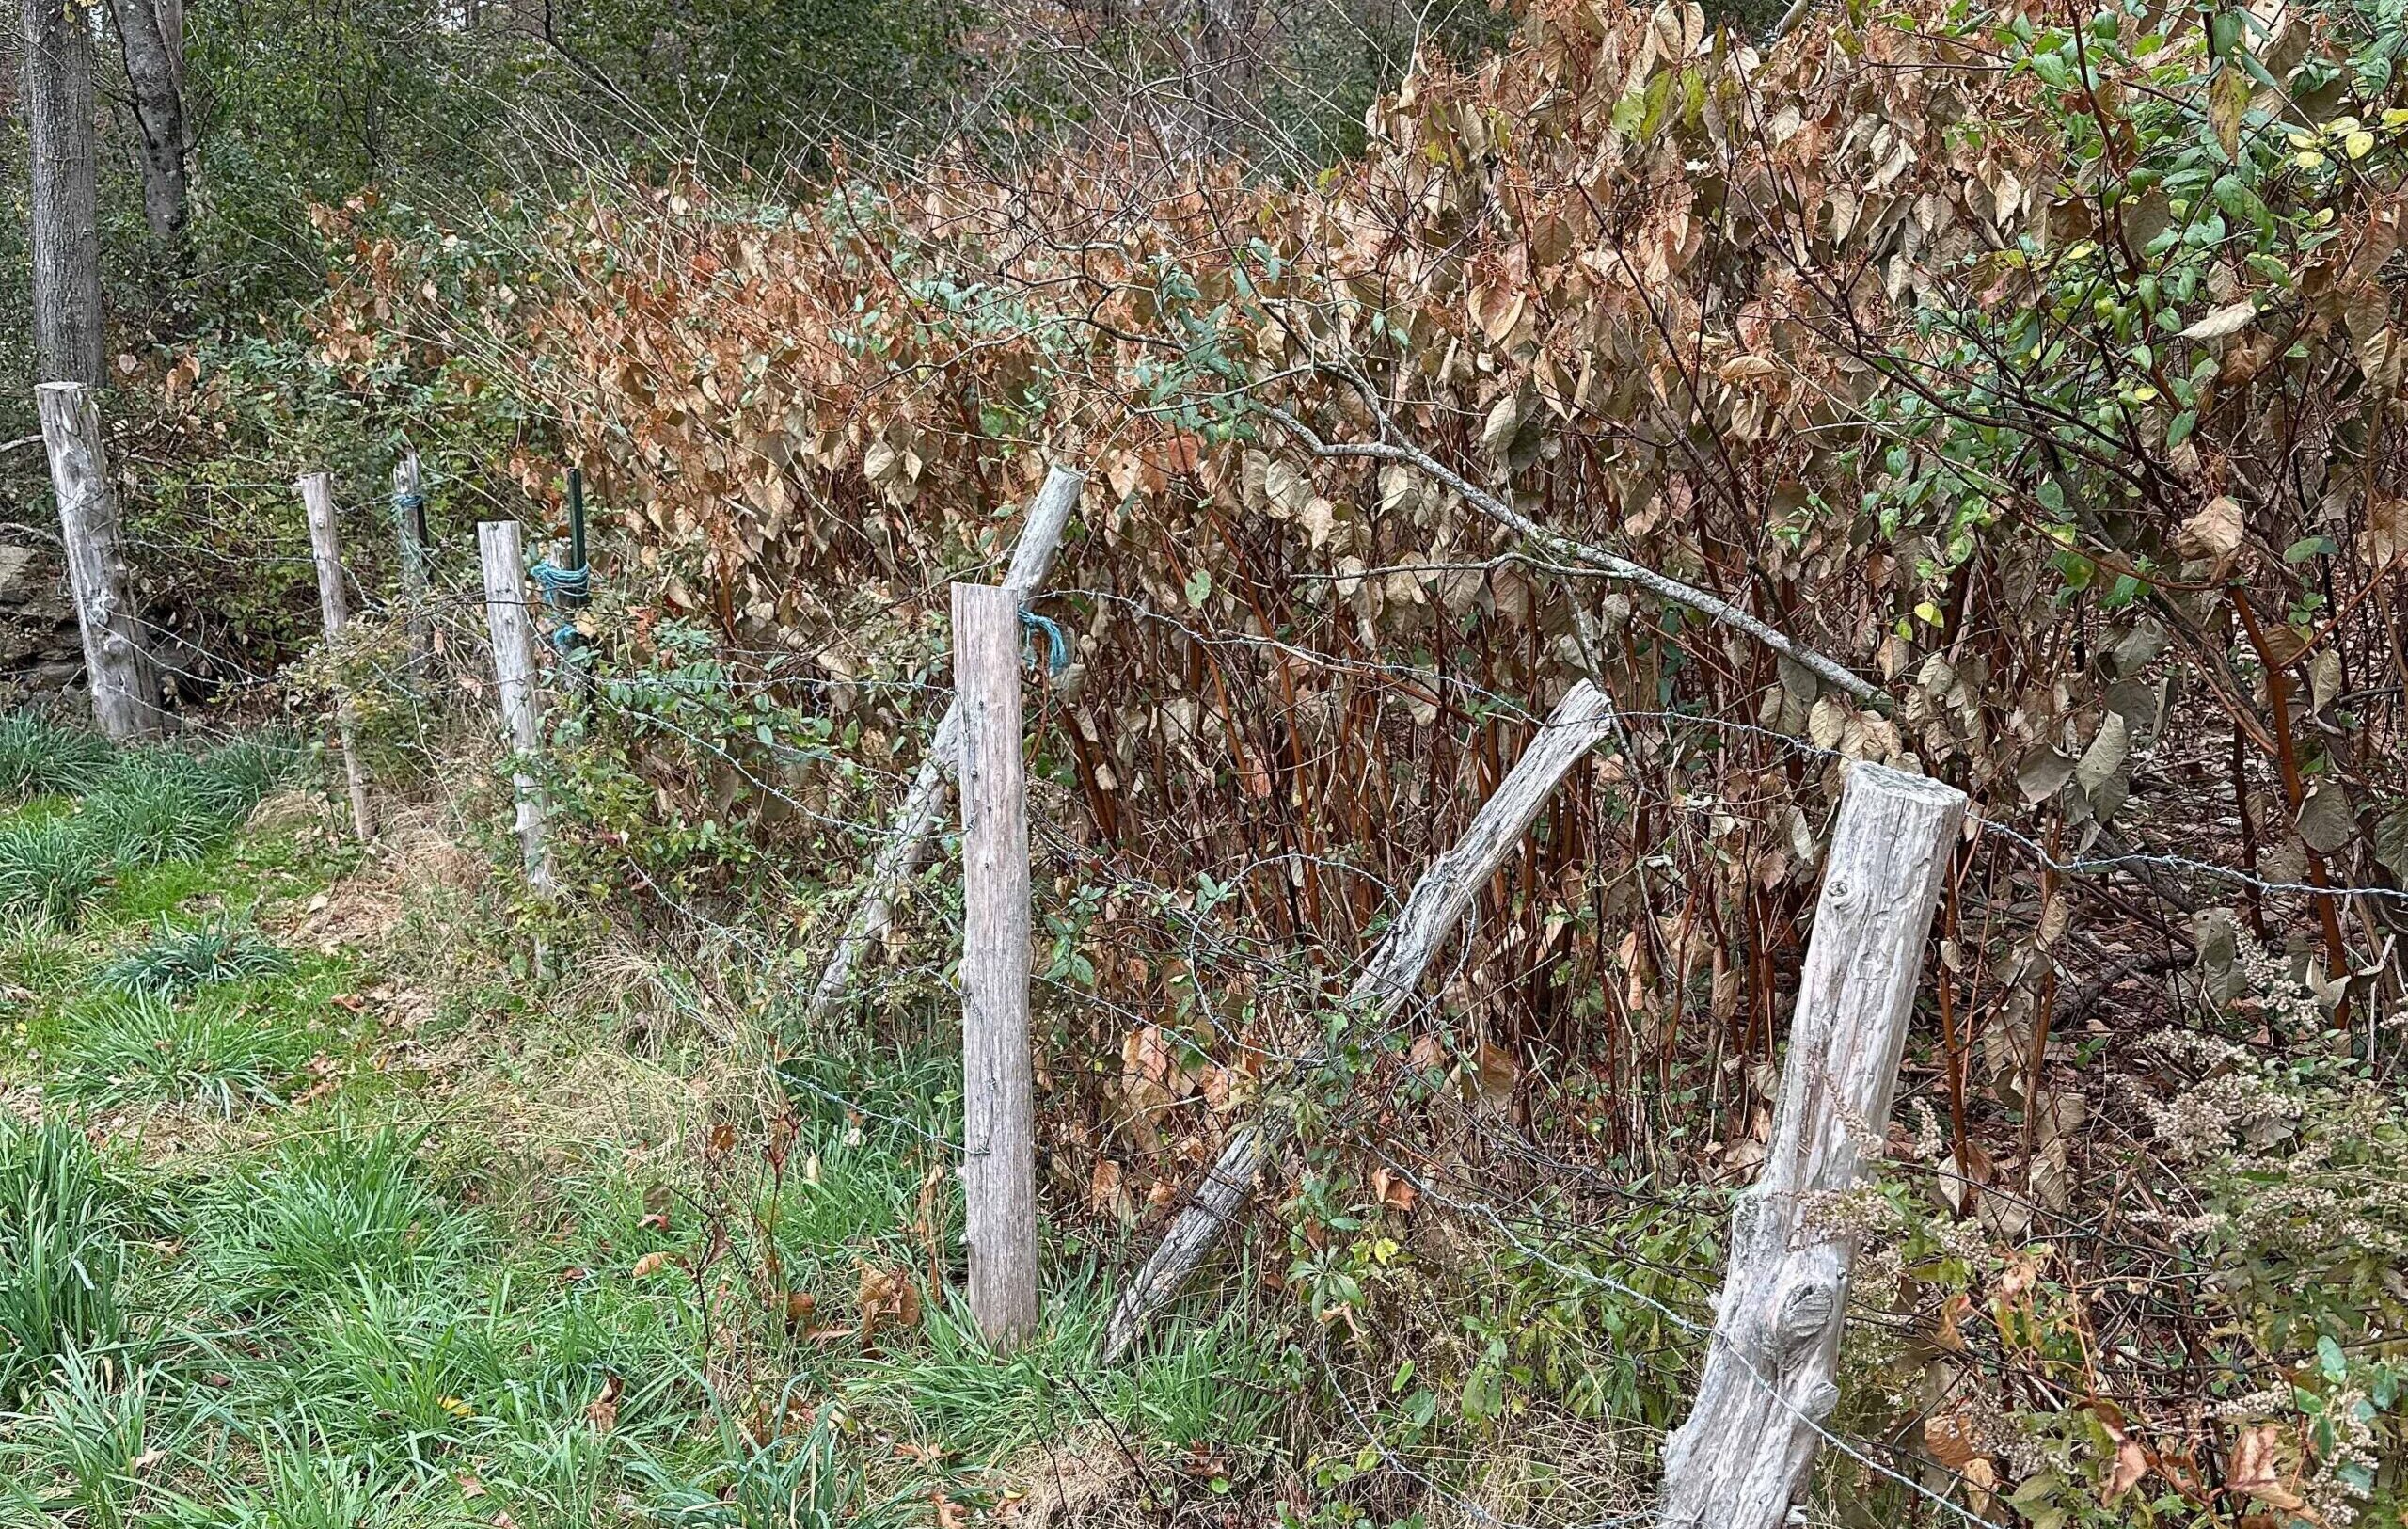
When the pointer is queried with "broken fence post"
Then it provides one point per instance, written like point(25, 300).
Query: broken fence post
point(499, 553)
point(1741, 1458)
point(325, 549)
point(1438, 903)
point(1040, 536)
point(409, 528)
point(999, 1131)
point(125, 686)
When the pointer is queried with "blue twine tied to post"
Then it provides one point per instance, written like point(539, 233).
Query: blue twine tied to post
point(564, 589)
point(1057, 646)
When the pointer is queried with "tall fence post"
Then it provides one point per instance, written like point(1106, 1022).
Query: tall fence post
point(1040, 536)
point(125, 686)
point(999, 1140)
point(409, 528)
point(326, 549)
point(1741, 1458)
point(502, 557)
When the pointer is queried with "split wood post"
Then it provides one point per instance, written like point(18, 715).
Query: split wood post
point(325, 548)
point(1040, 536)
point(125, 687)
point(1741, 1458)
point(998, 1128)
point(409, 527)
point(500, 551)
point(1389, 978)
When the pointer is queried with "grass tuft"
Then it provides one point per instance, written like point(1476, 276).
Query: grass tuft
point(42, 757)
point(219, 1052)
point(49, 870)
point(176, 961)
point(328, 1215)
point(62, 1250)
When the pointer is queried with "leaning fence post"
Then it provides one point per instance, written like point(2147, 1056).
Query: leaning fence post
point(125, 688)
point(409, 527)
point(1741, 1458)
point(999, 1145)
point(514, 673)
point(1388, 980)
point(1041, 534)
point(325, 548)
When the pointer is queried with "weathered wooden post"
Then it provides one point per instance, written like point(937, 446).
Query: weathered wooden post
point(1389, 978)
point(325, 548)
point(999, 1131)
point(1741, 1458)
point(514, 673)
point(125, 687)
point(409, 528)
point(1049, 513)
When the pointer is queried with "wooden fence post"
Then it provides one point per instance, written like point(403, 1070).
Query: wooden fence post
point(1049, 513)
point(1742, 1456)
point(1389, 978)
point(409, 526)
point(499, 553)
point(325, 548)
point(999, 1140)
point(125, 686)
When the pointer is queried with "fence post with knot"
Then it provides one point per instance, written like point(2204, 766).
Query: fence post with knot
point(1741, 1458)
point(334, 607)
point(125, 686)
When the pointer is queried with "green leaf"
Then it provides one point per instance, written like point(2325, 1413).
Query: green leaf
point(1199, 588)
point(2334, 1362)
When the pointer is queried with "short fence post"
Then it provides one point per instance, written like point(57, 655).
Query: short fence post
point(999, 1169)
point(513, 671)
point(325, 548)
point(125, 686)
point(409, 526)
point(1739, 1461)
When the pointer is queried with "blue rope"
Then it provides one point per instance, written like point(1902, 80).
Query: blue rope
point(564, 586)
point(1057, 646)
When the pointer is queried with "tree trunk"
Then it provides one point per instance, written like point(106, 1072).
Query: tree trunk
point(65, 219)
point(148, 33)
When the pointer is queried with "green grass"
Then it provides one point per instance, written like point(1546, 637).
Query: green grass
point(63, 1221)
point(175, 961)
point(326, 1215)
point(217, 1051)
point(42, 757)
point(50, 870)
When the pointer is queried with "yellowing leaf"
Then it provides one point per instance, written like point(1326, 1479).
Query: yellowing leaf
point(2358, 145)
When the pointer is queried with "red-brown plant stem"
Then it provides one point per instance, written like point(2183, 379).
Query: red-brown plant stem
point(2278, 697)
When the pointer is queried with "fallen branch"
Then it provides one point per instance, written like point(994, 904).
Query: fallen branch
point(1395, 969)
point(1712, 607)
point(1049, 513)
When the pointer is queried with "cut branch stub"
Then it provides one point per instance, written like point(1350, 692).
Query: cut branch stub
point(1740, 1459)
point(1389, 978)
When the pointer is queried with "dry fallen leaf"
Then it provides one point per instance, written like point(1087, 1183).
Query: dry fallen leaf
point(604, 1412)
point(650, 1263)
point(2132, 1463)
point(2257, 1471)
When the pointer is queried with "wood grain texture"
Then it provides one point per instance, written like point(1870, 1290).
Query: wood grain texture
point(998, 1111)
point(1741, 1458)
point(1388, 979)
point(409, 528)
point(334, 610)
point(116, 659)
point(502, 557)
point(1049, 515)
